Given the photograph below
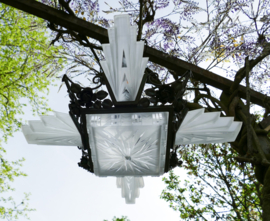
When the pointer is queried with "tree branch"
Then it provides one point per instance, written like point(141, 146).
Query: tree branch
point(241, 73)
point(66, 7)
point(140, 21)
point(223, 107)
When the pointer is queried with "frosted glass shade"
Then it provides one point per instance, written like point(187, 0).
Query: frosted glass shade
point(204, 128)
point(128, 144)
point(57, 129)
point(124, 65)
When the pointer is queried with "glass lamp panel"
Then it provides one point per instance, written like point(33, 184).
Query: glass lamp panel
point(57, 129)
point(128, 144)
point(204, 128)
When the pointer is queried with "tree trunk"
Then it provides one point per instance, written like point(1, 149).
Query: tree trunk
point(266, 196)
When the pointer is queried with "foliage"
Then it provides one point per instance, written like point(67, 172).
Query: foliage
point(216, 187)
point(211, 33)
point(9, 209)
point(27, 64)
point(123, 218)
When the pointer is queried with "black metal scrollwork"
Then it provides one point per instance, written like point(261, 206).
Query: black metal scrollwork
point(172, 93)
point(98, 79)
point(85, 162)
point(85, 97)
point(174, 161)
point(166, 93)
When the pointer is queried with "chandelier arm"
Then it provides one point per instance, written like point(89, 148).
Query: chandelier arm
point(93, 51)
point(85, 141)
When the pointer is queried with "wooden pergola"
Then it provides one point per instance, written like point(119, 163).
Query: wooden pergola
point(99, 33)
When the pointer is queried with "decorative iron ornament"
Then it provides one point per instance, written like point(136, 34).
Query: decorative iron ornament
point(85, 97)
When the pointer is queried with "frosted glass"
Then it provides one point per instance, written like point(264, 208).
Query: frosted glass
point(203, 128)
point(130, 187)
point(124, 65)
point(131, 145)
point(57, 129)
point(128, 144)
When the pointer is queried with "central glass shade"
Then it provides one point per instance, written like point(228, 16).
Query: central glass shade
point(128, 144)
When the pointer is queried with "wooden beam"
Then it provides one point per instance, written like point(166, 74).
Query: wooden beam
point(200, 74)
point(96, 32)
point(60, 18)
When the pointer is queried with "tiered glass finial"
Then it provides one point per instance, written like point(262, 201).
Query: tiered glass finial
point(124, 65)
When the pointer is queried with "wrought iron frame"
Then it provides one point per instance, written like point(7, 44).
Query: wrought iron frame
point(158, 91)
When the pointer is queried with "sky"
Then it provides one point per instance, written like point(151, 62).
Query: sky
point(60, 190)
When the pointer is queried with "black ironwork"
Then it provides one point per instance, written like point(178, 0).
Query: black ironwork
point(174, 161)
point(172, 93)
point(159, 98)
point(85, 163)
